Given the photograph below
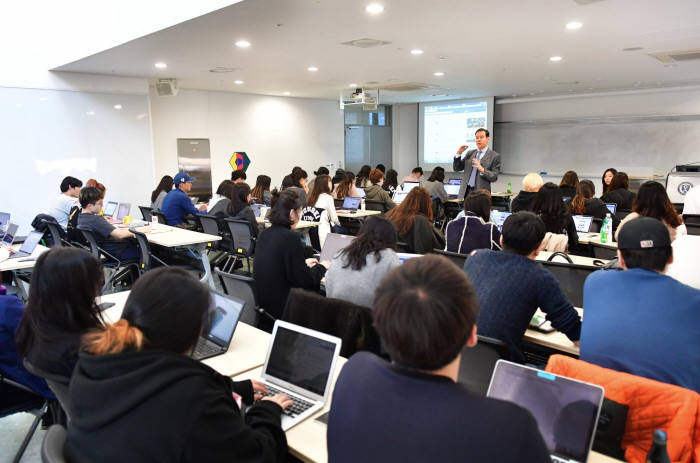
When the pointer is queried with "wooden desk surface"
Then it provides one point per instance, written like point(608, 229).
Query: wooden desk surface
point(586, 238)
point(165, 235)
point(21, 263)
point(579, 260)
point(554, 340)
point(356, 215)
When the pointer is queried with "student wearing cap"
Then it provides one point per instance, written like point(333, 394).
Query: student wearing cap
point(177, 204)
point(639, 320)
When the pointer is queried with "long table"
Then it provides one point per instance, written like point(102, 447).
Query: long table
point(21, 263)
point(554, 340)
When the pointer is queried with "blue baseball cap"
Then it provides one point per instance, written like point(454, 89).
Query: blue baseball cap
point(182, 177)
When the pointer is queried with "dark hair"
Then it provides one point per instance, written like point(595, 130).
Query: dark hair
point(297, 175)
point(238, 175)
point(585, 190)
point(569, 179)
point(95, 184)
point(438, 174)
point(320, 186)
point(605, 186)
point(262, 184)
point(322, 171)
point(619, 180)
point(417, 170)
point(376, 233)
point(148, 318)
point(416, 202)
point(376, 176)
point(225, 188)
point(282, 203)
point(362, 175)
point(654, 259)
point(381, 167)
point(479, 203)
point(239, 197)
point(70, 182)
point(522, 233)
point(287, 181)
point(64, 284)
point(294, 169)
point(652, 201)
point(89, 195)
point(344, 188)
point(391, 180)
point(486, 132)
point(165, 184)
point(425, 310)
point(551, 207)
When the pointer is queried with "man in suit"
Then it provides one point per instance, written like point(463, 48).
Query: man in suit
point(484, 164)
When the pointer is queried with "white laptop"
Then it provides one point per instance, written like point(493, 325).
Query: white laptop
point(399, 196)
point(498, 217)
point(452, 190)
point(408, 186)
point(9, 237)
point(110, 209)
point(566, 410)
point(300, 363)
point(223, 318)
point(123, 210)
point(29, 245)
point(333, 245)
point(351, 204)
point(583, 223)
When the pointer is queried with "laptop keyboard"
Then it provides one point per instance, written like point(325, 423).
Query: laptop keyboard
point(205, 348)
point(558, 460)
point(298, 406)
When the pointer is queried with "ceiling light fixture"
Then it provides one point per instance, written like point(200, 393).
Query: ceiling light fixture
point(438, 74)
point(312, 69)
point(573, 25)
point(374, 8)
point(242, 44)
point(117, 106)
point(416, 51)
point(555, 59)
point(352, 85)
point(238, 82)
point(161, 65)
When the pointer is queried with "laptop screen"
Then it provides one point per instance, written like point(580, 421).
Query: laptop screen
point(10, 234)
point(612, 207)
point(361, 191)
point(4, 220)
point(124, 209)
point(455, 181)
point(399, 196)
point(333, 244)
point(351, 202)
point(498, 217)
point(583, 223)
point(566, 411)
point(257, 208)
point(31, 241)
point(404, 256)
point(452, 189)
point(110, 209)
point(223, 318)
point(408, 186)
point(300, 359)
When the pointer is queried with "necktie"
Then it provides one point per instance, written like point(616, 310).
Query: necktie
point(472, 177)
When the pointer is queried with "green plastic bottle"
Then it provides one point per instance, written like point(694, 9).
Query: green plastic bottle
point(509, 190)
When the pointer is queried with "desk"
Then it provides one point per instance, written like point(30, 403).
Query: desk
point(587, 238)
point(12, 265)
point(358, 214)
point(300, 225)
point(554, 340)
point(247, 350)
point(578, 260)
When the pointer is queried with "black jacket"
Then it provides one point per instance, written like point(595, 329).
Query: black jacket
point(159, 406)
point(568, 191)
point(597, 209)
point(620, 196)
point(423, 237)
point(524, 201)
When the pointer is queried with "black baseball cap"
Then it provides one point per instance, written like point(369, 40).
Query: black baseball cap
point(643, 233)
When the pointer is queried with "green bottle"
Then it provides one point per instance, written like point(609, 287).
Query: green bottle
point(508, 191)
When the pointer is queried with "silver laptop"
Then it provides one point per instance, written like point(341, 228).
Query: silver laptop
point(9, 237)
point(455, 181)
point(408, 186)
point(566, 410)
point(123, 210)
point(399, 196)
point(224, 313)
point(300, 363)
point(612, 207)
point(404, 256)
point(333, 245)
point(4, 221)
point(29, 245)
point(110, 209)
point(452, 190)
point(351, 204)
point(583, 223)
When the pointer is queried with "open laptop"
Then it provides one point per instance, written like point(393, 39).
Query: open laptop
point(333, 245)
point(455, 181)
point(408, 186)
point(583, 223)
point(452, 190)
point(223, 318)
point(498, 217)
point(351, 204)
point(404, 256)
point(300, 363)
point(110, 209)
point(566, 410)
point(399, 196)
point(9, 236)
point(29, 245)
point(257, 209)
point(612, 207)
point(123, 210)
point(4, 221)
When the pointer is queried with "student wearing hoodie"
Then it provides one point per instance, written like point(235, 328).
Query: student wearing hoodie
point(531, 185)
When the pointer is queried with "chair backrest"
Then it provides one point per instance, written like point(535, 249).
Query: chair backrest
point(596, 225)
point(194, 221)
point(603, 252)
point(374, 205)
point(91, 240)
point(161, 217)
point(146, 213)
point(478, 363)
point(242, 287)
point(52, 445)
point(452, 209)
point(57, 383)
point(210, 224)
point(458, 259)
point(571, 278)
point(243, 242)
point(54, 230)
point(622, 213)
point(145, 261)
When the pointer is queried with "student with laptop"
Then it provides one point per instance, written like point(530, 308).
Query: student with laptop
point(568, 184)
point(618, 192)
point(585, 203)
point(375, 192)
point(321, 199)
point(177, 204)
point(222, 195)
point(435, 184)
point(473, 230)
point(556, 215)
point(362, 180)
point(70, 190)
point(391, 182)
point(413, 219)
point(414, 177)
point(346, 187)
point(135, 383)
point(652, 201)
point(511, 286)
point(239, 207)
point(532, 183)
point(357, 270)
point(413, 409)
point(640, 320)
point(162, 189)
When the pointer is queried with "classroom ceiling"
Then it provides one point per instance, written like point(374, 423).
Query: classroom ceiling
point(500, 48)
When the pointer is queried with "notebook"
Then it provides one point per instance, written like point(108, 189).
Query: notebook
point(566, 410)
point(29, 245)
point(351, 204)
point(223, 318)
point(9, 236)
point(300, 363)
point(399, 196)
point(612, 207)
point(110, 209)
point(452, 190)
point(408, 186)
point(333, 244)
point(583, 223)
point(498, 217)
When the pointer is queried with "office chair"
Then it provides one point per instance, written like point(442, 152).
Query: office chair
point(243, 240)
point(458, 259)
point(596, 225)
point(452, 209)
point(243, 287)
point(57, 383)
point(146, 213)
point(117, 269)
point(52, 445)
point(478, 363)
point(372, 205)
point(438, 213)
point(692, 223)
point(56, 233)
point(571, 278)
point(621, 213)
point(161, 217)
point(194, 222)
point(147, 260)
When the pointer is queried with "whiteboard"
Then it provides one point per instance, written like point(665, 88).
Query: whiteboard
point(639, 145)
point(49, 134)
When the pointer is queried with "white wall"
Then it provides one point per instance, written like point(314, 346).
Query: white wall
point(277, 133)
point(404, 127)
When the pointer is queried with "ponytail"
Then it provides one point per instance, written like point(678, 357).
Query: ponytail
point(114, 339)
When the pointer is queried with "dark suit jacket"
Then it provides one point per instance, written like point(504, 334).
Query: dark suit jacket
point(492, 165)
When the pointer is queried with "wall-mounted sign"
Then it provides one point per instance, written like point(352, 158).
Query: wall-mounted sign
point(239, 161)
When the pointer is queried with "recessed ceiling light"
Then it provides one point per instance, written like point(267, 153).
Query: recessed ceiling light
point(242, 44)
point(117, 106)
point(352, 85)
point(287, 93)
point(555, 59)
point(573, 25)
point(161, 65)
point(312, 68)
point(90, 113)
point(374, 8)
point(438, 74)
point(238, 82)
point(416, 51)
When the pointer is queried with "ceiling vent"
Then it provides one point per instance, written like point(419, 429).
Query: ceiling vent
point(166, 87)
point(587, 2)
point(366, 43)
point(677, 56)
point(406, 86)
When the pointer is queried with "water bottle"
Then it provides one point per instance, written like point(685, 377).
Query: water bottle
point(509, 187)
point(658, 452)
point(609, 231)
point(604, 230)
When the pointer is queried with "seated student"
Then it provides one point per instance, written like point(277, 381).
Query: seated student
point(299, 177)
point(108, 237)
point(362, 180)
point(62, 205)
point(357, 270)
point(223, 196)
point(413, 409)
point(585, 203)
point(346, 187)
point(158, 195)
point(279, 258)
point(287, 182)
point(618, 192)
point(568, 184)
point(338, 177)
point(136, 393)
point(511, 286)
point(239, 206)
point(321, 171)
point(381, 167)
point(473, 230)
point(391, 182)
point(238, 176)
point(531, 185)
point(435, 184)
point(556, 215)
point(177, 204)
point(321, 198)
point(61, 308)
point(607, 178)
point(415, 176)
point(639, 320)
point(261, 191)
point(652, 201)
point(375, 192)
point(92, 183)
point(414, 222)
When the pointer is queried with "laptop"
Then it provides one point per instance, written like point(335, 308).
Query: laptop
point(361, 191)
point(408, 186)
point(399, 196)
point(4, 221)
point(300, 363)
point(9, 236)
point(223, 318)
point(612, 207)
point(110, 209)
point(583, 223)
point(452, 190)
point(123, 211)
point(404, 256)
point(455, 181)
point(257, 209)
point(498, 217)
point(333, 245)
point(351, 204)
point(29, 245)
point(566, 410)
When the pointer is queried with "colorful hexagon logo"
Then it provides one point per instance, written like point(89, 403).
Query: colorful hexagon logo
point(239, 161)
